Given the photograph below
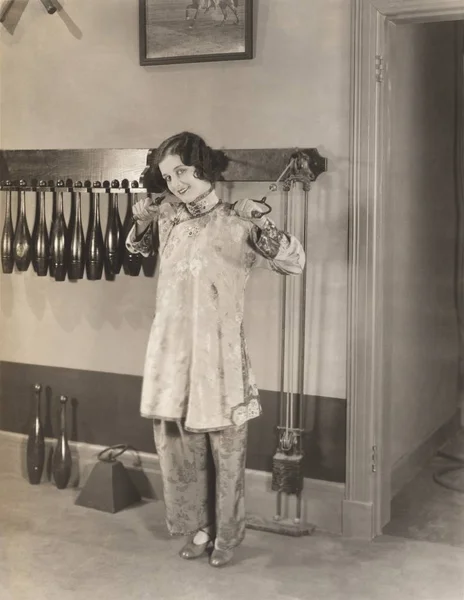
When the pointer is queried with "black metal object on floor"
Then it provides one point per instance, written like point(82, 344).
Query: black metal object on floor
point(440, 476)
point(109, 487)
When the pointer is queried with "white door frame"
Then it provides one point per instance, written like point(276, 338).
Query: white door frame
point(366, 508)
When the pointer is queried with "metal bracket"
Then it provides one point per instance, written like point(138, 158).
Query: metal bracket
point(298, 170)
point(374, 459)
point(379, 68)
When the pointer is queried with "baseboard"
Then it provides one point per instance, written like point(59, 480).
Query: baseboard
point(357, 519)
point(407, 467)
point(321, 500)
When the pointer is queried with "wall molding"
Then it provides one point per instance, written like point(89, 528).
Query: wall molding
point(321, 505)
point(420, 10)
point(366, 418)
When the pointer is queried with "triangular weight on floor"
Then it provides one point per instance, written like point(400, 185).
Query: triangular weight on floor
point(108, 488)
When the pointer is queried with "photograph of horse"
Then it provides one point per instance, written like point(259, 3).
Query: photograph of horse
point(194, 28)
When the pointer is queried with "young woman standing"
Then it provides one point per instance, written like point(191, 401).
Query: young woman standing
point(198, 386)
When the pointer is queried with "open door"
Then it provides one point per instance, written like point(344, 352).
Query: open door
point(460, 207)
point(368, 487)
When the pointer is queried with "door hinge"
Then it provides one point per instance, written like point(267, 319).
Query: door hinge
point(374, 459)
point(379, 68)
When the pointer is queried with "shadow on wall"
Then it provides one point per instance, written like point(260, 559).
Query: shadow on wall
point(133, 304)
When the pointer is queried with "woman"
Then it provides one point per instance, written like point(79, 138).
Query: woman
point(198, 385)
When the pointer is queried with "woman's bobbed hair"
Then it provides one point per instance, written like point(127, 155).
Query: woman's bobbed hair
point(194, 152)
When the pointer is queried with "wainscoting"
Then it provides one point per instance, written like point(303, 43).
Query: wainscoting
point(321, 500)
point(104, 410)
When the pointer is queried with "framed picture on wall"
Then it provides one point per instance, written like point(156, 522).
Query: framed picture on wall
point(187, 31)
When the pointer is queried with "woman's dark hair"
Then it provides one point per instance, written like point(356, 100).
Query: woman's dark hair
point(193, 151)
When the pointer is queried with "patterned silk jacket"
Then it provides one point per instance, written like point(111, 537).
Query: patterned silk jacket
point(197, 366)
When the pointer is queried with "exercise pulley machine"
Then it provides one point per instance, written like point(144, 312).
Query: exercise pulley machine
point(288, 460)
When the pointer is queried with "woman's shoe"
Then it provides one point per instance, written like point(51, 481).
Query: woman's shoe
point(191, 550)
point(220, 558)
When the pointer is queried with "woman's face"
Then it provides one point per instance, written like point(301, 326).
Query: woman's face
point(181, 180)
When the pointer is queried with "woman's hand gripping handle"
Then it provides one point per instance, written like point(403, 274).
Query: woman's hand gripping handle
point(252, 210)
point(144, 212)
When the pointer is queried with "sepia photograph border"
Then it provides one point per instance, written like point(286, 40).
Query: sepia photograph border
point(144, 60)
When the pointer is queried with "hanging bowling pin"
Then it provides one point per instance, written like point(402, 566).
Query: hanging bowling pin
point(77, 239)
point(22, 239)
point(95, 248)
point(114, 237)
point(132, 262)
point(62, 462)
point(8, 235)
point(51, 266)
point(58, 244)
point(40, 241)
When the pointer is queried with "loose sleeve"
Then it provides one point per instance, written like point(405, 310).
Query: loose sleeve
point(277, 249)
point(142, 244)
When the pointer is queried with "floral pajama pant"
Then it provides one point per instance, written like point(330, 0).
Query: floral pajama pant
point(203, 480)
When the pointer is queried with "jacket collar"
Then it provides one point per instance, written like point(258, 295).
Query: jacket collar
point(203, 203)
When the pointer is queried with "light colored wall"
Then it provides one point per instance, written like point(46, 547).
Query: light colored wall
point(72, 80)
point(422, 239)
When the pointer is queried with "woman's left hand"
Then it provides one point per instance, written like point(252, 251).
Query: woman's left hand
point(251, 209)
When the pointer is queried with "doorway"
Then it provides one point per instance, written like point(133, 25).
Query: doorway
point(395, 246)
point(421, 341)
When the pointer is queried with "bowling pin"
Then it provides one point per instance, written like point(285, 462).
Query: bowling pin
point(59, 241)
point(114, 237)
point(22, 239)
point(77, 239)
point(40, 241)
point(132, 262)
point(95, 248)
point(7, 235)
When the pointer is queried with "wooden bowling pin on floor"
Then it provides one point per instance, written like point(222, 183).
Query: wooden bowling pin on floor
point(35, 452)
point(62, 462)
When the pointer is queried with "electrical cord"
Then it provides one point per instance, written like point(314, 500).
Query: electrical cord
point(438, 475)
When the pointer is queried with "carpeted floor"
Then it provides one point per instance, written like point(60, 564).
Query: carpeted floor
point(427, 511)
point(51, 549)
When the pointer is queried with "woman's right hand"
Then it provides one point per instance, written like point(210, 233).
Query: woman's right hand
point(145, 211)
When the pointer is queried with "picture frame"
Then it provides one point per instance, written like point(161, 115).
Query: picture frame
point(190, 31)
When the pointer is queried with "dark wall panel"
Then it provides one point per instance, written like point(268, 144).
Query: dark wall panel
point(99, 164)
point(104, 410)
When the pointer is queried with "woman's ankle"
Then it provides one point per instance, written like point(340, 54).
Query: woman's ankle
point(203, 535)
